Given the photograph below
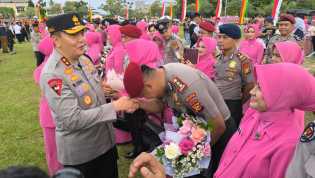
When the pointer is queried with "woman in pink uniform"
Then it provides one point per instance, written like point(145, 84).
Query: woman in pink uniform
point(250, 46)
point(46, 121)
point(206, 49)
point(95, 46)
point(265, 141)
point(115, 61)
point(291, 52)
point(143, 26)
point(287, 51)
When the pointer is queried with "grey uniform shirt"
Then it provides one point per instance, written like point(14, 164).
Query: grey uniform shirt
point(83, 121)
point(171, 54)
point(232, 75)
point(190, 89)
point(303, 161)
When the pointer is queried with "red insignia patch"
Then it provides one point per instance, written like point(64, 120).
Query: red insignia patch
point(194, 103)
point(65, 61)
point(309, 133)
point(56, 85)
point(246, 68)
point(179, 84)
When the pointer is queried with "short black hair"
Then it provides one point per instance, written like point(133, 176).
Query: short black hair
point(150, 26)
point(23, 172)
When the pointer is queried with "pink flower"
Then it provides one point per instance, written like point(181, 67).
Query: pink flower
point(198, 134)
point(186, 145)
point(206, 150)
point(186, 128)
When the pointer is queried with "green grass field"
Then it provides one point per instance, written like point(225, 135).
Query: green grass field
point(21, 140)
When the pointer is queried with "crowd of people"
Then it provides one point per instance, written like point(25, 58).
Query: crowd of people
point(11, 31)
point(105, 83)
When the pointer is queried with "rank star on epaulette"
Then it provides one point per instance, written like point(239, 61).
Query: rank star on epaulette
point(65, 61)
point(179, 84)
point(308, 134)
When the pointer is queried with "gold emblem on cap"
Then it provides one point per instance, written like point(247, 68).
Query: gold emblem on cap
point(76, 21)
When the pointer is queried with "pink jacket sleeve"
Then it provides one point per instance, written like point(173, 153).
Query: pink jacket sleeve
point(281, 159)
point(260, 54)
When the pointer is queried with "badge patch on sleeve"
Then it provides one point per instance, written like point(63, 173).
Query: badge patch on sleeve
point(56, 85)
point(246, 68)
point(179, 84)
point(308, 134)
point(194, 103)
point(87, 100)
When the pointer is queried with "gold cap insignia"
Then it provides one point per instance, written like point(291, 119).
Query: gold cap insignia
point(76, 21)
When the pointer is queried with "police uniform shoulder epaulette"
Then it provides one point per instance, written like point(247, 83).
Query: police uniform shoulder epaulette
point(242, 57)
point(179, 85)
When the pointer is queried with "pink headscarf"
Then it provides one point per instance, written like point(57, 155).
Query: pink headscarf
point(157, 38)
point(115, 59)
point(290, 52)
point(277, 129)
point(280, 93)
point(252, 48)
point(206, 62)
point(42, 30)
point(175, 29)
point(95, 46)
point(142, 51)
point(142, 25)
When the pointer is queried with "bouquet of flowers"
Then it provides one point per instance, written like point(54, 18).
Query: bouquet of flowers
point(186, 146)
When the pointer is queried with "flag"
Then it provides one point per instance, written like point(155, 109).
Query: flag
point(127, 12)
point(163, 8)
point(184, 7)
point(197, 5)
point(90, 14)
point(218, 8)
point(276, 10)
point(244, 9)
point(171, 9)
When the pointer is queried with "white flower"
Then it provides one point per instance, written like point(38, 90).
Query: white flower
point(172, 151)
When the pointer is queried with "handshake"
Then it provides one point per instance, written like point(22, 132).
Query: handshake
point(123, 103)
point(126, 104)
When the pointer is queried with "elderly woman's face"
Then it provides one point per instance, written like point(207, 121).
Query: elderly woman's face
point(276, 58)
point(257, 101)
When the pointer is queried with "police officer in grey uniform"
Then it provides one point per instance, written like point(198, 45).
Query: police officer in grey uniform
point(185, 90)
point(84, 133)
point(233, 76)
point(286, 29)
point(303, 162)
point(173, 46)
